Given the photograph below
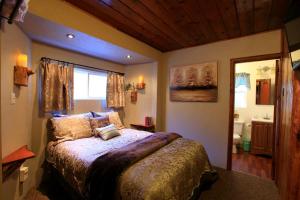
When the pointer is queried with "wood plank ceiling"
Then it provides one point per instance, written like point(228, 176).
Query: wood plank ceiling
point(173, 24)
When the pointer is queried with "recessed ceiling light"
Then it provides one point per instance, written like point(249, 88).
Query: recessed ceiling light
point(128, 56)
point(70, 36)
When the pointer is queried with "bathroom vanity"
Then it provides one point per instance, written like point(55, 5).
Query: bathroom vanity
point(262, 136)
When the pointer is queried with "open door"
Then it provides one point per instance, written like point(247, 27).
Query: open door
point(288, 167)
point(275, 100)
point(294, 174)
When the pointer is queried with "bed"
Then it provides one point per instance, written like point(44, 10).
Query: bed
point(175, 171)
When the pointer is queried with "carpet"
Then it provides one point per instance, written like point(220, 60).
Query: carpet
point(229, 186)
point(235, 185)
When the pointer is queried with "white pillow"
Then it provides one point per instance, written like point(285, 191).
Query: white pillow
point(107, 132)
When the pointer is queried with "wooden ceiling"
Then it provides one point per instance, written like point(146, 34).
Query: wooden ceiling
point(173, 24)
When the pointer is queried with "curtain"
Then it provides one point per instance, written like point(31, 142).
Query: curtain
point(242, 79)
point(56, 86)
point(115, 97)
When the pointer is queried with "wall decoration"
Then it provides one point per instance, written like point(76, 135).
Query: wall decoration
point(194, 83)
point(133, 96)
point(21, 71)
point(133, 93)
point(141, 84)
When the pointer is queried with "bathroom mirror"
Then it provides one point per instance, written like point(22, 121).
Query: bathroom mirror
point(264, 92)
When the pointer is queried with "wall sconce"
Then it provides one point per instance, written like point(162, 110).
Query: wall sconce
point(21, 71)
point(140, 85)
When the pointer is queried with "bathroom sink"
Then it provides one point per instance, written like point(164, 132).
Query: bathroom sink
point(263, 119)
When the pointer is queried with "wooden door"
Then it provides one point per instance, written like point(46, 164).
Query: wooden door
point(289, 143)
point(294, 146)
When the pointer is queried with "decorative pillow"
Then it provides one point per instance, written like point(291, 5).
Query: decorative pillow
point(99, 114)
point(58, 114)
point(115, 119)
point(107, 132)
point(99, 122)
point(71, 127)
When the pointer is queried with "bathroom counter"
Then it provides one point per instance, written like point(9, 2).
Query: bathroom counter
point(262, 120)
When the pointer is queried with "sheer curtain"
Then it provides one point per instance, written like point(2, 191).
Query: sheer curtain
point(56, 86)
point(115, 97)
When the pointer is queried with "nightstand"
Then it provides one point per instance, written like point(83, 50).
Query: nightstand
point(141, 127)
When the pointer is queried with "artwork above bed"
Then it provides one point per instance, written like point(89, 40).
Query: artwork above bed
point(194, 83)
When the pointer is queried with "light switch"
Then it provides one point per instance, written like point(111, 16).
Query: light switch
point(13, 98)
point(23, 173)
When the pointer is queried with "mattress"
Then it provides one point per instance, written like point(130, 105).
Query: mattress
point(172, 172)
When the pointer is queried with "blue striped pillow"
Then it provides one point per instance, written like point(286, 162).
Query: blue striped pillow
point(107, 132)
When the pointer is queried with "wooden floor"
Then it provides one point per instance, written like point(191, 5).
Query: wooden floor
point(251, 164)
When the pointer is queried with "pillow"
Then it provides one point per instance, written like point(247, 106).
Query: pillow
point(115, 119)
point(99, 114)
point(99, 122)
point(107, 132)
point(58, 114)
point(71, 127)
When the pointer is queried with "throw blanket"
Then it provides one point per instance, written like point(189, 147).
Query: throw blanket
point(103, 174)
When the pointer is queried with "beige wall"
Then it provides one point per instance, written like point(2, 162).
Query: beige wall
point(253, 110)
point(15, 118)
point(147, 99)
point(208, 122)
point(83, 106)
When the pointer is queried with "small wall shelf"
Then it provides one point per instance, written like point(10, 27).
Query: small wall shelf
point(14, 160)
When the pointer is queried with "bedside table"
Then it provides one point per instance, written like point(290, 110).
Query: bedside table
point(143, 127)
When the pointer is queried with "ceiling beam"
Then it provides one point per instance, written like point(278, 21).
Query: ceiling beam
point(246, 16)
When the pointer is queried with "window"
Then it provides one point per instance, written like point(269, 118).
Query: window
point(89, 84)
point(240, 100)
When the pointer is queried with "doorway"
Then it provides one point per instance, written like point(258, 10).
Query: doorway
point(252, 121)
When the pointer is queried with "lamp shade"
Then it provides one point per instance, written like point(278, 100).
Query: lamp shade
point(22, 60)
point(141, 79)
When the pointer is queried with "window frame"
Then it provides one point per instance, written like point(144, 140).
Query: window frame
point(89, 72)
point(243, 91)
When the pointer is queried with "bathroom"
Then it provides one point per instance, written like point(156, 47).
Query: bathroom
point(253, 135)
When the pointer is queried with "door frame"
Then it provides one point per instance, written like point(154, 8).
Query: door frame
point(233, 62)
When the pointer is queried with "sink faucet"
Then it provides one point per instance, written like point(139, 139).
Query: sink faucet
point(267, 116)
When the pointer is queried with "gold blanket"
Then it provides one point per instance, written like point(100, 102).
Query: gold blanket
point(172, 172)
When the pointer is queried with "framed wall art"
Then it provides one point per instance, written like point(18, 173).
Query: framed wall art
point(194, 83)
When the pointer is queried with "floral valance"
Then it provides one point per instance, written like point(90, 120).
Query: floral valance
point(242, 79)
